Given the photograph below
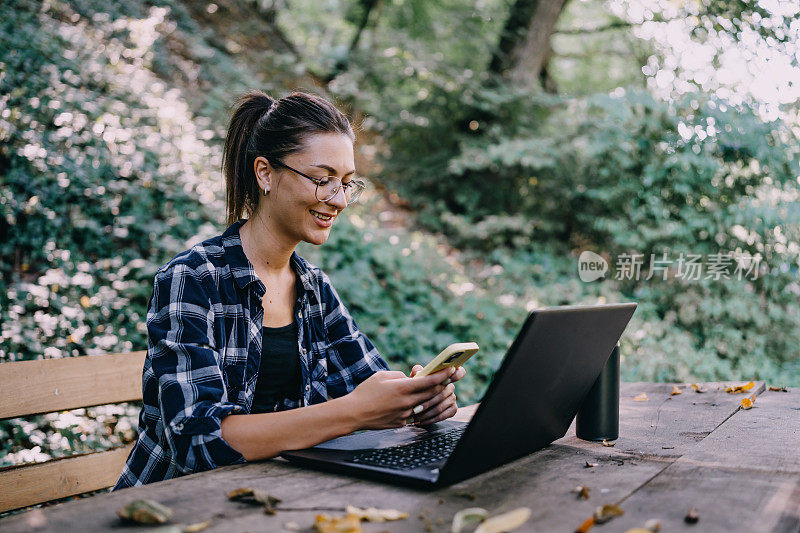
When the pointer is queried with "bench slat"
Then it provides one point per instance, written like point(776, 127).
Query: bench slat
point(25, 485)
point(48, 385)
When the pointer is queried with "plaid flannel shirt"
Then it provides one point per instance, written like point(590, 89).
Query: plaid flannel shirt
point(204, 328)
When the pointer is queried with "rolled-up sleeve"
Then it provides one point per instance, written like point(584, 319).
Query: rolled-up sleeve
point(352, 357)
point(192, 398)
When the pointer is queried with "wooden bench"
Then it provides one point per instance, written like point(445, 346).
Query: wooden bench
point(50, 385)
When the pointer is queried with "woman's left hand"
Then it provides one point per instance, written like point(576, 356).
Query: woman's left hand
point(441, 406)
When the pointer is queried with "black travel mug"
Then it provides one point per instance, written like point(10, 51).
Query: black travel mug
point(598, 417)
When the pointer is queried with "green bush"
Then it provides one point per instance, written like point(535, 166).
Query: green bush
point(623, 173)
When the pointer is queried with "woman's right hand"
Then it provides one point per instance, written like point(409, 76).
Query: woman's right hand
point(387, 398)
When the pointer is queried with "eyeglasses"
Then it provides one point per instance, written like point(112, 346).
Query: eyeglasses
point(328, 186)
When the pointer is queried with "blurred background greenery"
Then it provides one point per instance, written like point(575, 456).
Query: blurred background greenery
point(501, 138)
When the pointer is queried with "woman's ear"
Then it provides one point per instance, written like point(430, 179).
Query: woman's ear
point(264, 172)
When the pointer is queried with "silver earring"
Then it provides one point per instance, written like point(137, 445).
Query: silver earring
point(266, 190)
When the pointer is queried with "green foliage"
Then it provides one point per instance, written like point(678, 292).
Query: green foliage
point(104, 178)
point(625, 173)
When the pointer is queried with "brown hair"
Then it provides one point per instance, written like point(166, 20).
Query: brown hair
point(262, 126)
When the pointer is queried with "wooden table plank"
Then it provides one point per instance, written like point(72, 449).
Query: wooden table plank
point(745, 476)
point(665, 425)
point(541, 481)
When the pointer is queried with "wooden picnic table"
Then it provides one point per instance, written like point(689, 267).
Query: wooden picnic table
point(740, 469)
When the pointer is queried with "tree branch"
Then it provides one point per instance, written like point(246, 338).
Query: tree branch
point(598, 29)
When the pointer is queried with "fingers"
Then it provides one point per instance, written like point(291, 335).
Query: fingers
point(459, 373)
point(437, 400)
point(450, 410)
point(419, 384)
point(415, 370)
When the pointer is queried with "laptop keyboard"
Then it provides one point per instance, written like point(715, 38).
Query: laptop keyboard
point(412, 455)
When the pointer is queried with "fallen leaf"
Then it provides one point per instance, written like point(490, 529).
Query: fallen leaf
point(698, 388)
point(586, 526)
point(337, 524)
point(604, 513)
point(638, 530)
point(589, 465)
point(653, 525)
point(608, 444)
point(675, 391)
point(237, 494)
point(778, 389)
point(740, 388)
point(505, 522)
point(747, 403)
point(640, 398)
point(376, 515)
point(465, 516)
point(253, 496)
point(582, 491)
point(194, 528)
point(692, 517)
point(145, 512)
point(467, 495)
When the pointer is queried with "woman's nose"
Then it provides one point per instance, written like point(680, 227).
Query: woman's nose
point(339, 200)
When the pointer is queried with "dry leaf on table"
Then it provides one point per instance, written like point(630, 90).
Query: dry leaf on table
point(640, 397)
point(651, 526)
point(582, 491)
point(675, 390)
point(465, 516)
point(740, 388)
point(604, 513)
point(337, 524)
point(747, 403)
point(698, 388)
point(376, 515)
point(654, 525)
point(692, 517)
point(194, 528)
point(608, 444)
point(778, 389)
point(589, 465)
point(145, 512)
point(255, 496)
point(586, 525)
point(505, 522)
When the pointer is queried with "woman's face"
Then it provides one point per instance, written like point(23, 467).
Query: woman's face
point(292, 208)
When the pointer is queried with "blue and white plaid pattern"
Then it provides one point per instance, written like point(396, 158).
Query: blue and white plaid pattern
point(204, 327)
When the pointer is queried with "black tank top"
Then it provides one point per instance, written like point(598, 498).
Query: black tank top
point(279, 372)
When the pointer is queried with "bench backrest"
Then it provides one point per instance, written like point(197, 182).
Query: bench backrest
point(49, 385)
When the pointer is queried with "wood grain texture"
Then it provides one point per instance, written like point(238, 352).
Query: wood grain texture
point(745, 476)
point(59, 478)
point(750, 487)
point(666, 425)
point(48, 385)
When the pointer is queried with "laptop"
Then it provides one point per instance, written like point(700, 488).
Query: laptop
point(531, 401)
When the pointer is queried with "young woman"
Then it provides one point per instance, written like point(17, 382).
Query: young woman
point(250, 350)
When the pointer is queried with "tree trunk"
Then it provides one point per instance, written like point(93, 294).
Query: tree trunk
point(368, 6)
point(525, 41)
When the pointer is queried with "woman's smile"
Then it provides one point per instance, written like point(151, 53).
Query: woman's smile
point(324, 220)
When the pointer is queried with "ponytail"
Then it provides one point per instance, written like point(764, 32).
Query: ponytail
point(262, 126)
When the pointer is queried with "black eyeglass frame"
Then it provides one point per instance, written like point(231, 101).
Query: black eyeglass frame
point(355, 194)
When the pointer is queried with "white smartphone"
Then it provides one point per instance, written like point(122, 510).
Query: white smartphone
point(454, 355)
